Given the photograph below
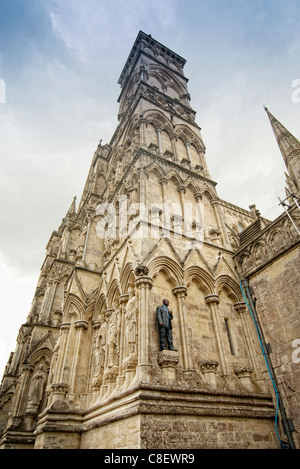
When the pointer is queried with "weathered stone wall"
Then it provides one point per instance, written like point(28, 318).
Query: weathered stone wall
point(177, 432)
point(276, 288)
point(122, 434)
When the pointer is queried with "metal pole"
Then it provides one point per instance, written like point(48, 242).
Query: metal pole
point(289, 215)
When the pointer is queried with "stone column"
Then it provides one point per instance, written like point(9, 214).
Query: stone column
point(213, 301)
point(188, 151)
point(180, 293)
point(65, 241)
point(221, 225)
point(201, 231)
point(166, 211)
point(143, 133)
point(123, 299)
point(173, 141)
point(181, 190)
point(143, 186)
point(241, 310)
point(159, 141)
point(86, 239)
point(143, 284)
point(80, 326)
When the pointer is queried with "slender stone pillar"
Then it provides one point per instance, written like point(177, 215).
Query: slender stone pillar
point(173, 141)
point(213, 301)
point(123, 299)
point(166, 210)
point(180, 293)
point(241, 309)
point(220, 222)
point(159, 141)
point(86, 240)
point(143, 284)
point(188, 151)
point(181, 190)
point(143, 133)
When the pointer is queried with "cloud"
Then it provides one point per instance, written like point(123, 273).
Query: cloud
point(94, 29)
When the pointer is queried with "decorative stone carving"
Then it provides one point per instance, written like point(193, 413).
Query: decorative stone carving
point(168, 360)
point(36, 388)
point(209, 370)
point(129, 365)
point(141, 270)
point(244, 375)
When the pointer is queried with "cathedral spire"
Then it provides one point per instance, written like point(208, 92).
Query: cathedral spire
point(290, 150)
point(72, 209)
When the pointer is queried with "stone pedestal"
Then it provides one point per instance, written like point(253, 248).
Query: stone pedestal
point(59, 394)
point(130, 365)
point(209, 370)
point(244, 375)
point(168, 360)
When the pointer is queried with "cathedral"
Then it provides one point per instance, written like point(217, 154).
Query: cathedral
point(164, 317)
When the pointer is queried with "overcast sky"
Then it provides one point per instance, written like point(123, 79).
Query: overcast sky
point(60, 61)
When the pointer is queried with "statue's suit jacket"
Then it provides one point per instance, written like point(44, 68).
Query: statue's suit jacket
point(163, 315)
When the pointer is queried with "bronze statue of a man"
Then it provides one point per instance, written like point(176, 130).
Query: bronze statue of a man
point(164, 319)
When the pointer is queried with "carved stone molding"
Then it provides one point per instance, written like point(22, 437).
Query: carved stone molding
point(243, 372)
point(240, 307)
point(180, 291)
point(144, 281)
point(209, 370)
point(209, 365)
point(81, 324)
point(65, 326)
point(212, 299)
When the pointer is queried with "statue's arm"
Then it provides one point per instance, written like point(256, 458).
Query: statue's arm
point(158, 315)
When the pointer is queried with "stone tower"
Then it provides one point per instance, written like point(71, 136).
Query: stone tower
point(88, 371)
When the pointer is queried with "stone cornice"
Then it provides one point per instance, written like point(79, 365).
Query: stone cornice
point(136, 99)
point(156, 157)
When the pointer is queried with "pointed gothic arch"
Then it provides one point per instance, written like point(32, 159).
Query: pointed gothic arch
point(171, 268)
point(230, 286)
point(186, 134)
point(127, 276)
point(202, 277)
point(159, 120)
point(113, 291)
point(74, 308)
point(165, 77)
point(100, 305)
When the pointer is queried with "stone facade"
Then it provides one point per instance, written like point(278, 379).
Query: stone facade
point(87, 371)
